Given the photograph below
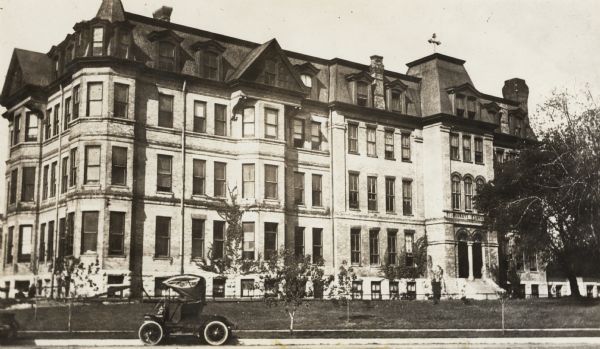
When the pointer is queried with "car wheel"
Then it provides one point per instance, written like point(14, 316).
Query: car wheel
point(151, 333)
point(216, 333)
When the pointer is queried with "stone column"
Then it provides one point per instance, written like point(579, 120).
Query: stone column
point(470, 254)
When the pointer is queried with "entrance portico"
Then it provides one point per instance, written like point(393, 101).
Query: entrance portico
point(470, 255)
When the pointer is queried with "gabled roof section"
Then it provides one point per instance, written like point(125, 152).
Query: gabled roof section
point(307, 68)
point(211, 45)
point(27, 68)
point(360, 76)
point(111, 10)
point(396, 84)
point(164, 35)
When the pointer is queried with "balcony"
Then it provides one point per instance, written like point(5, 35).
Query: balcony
point(468, 217)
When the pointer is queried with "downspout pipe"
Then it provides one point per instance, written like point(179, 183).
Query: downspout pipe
point(183, 129)
point(57, 190)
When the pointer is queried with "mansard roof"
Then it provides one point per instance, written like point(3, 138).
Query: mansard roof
point(468, 87)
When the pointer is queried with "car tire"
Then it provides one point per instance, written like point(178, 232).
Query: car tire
point(216, 333)
point(151, 333)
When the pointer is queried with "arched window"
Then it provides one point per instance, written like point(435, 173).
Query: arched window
point(468, 193)
point(456, 192)
point(479, 183)
point(306, 79)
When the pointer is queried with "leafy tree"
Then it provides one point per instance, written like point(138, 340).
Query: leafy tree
point(402, 270)
point(76, 278)
point(341, 287)
point(549, 196)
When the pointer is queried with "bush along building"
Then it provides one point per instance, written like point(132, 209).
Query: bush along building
point(125, 134)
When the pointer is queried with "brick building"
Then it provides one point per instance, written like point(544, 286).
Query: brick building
point(124, 133)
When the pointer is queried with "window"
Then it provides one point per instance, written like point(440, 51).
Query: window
point(219, 287)
point(13, 186)
point(479, 183)
point(376, 290)
point(119, 166)
point(468, 193)
point(24, 247)
point(197, 238)
point(198, 177)
point(396, 104)
point(9, 245)
point(535, 291)
point(248, 180)
point(454, 147)
point(298, 188)
point(89, 230)
point(353, 190)
point(499, 156)
point(166, 56)
point(270, 182)
point(533, 262)
point(218, 248)
point(42, 245)
point(76, 102)
point(270, 240)
point(467, 148)
point(389, 144)
point(165, 110)
point(64, 172)
point(162, 237)
point(28, 184)
point(271, 288)
point(248, 242)
point(352, 138)
point(73, 174)
point(391, 247)
point(121, 105)
point(220, 181)
point(478, 151)
point(67, 116)
point(248, 120)
point(390, 194)
point(316, 190)
point(271, 122)
point(315, 135)
point(298, 131)
point(362, 93)
point(17, 129)
point(116, 234)
point(247, 287)
point(56, 126)
point(199, 117)
point(371, 141)
point(394, 290)
point(357, 291)
point(406, 147)
point(52, 179)
point(374, 246)
point(471, 109)
point(299, 241)
point(50, 240)
point(164, 171)
point(306, 80)
point(270, 71)
point(411, 290)
point(460, 106)
point(31, 127)
point(66, 234)
point(409, 240)
point(407, 197)
point(94, 99)
point(355, 246)
point(92, 164)
point(211, 65)
point(124, 43)
point(220, 120)
point(372, 193)
point(455, 192)
point(518, 126)
point(45, 182)
point(47, 127)
point(317, 248)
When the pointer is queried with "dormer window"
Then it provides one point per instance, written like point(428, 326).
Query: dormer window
point(306, 80)
point(211, 65)
point(460, 106)
point(124, 43)
point(166, 56)
point(471, 108)
point(518, 126)
point(270, 71)
point(208, 59)
point(396, 101)
point(98, 41)
point(362, 93)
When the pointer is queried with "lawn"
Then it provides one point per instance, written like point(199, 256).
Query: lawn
point(534, 313)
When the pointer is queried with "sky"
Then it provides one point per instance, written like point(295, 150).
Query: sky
point(552, 44)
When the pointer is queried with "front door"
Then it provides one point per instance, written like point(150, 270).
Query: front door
point(477, 260)
point(463, 260)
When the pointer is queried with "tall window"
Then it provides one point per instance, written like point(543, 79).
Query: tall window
point(124, 43)
point(17, 129)
point(270, 182)
point(478, 150)
point(94, 99)
point(165, 110)
point(74, 161)
point(248, 242)
point(372, 193)
point(467, 148)
point(89, 231)
point(454, 147)
point(271, 122)
point(56, 126)
point(455, 192)
point(371, 141)
point(468, 193)
point(164, 173)
point(396, 104)
point(306, 80)
point(211, 65)
point(460, 106)
point(355, 246)
point(162, 242)
point(220, 180)
point(479, 183)
point(374, 246)
point(68, 114)
point(389, 144)
point(270, 240)
point(28, 184)
point(98, 42)
point(47, 126)
point(116, 234)
point(218, 250)
point(92, 164)
point(362, 93)
point(25, 245)
point(353, 190)
point(45, 182)
point(76, 102)
point(248, 179)
point(315, 135)
point(270, 72)
point(220, 120)
point(31, 127)
point(391, 247)
point(12, 197)
point(121, 103)
point(407, 197)
point(64, 175)
point(390, 194)
point(317, 190)
point(9, 245)
point(409, 240)
point(299, 241)
point(248, 120)
point(317, 241)
point(298, 133)
point(69, 234)
point(299, 188)
point(119, 166)
point(199, 117)
point(42, 245)
point(197, 238)
point(499, 156)
point(199, 177)
point(50, 240)
point(471, 109)
point(352, 138)
point(406, 147)
point(53, 174)
point(166, 56)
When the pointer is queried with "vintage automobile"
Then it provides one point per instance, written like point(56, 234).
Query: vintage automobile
point(183, 315)
point(8, 326)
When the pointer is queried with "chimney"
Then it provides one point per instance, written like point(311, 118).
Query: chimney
point(376, 69)
point(516, 90)
point(163, 13)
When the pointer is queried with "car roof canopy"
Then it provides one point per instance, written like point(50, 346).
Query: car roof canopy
point(189, 287)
